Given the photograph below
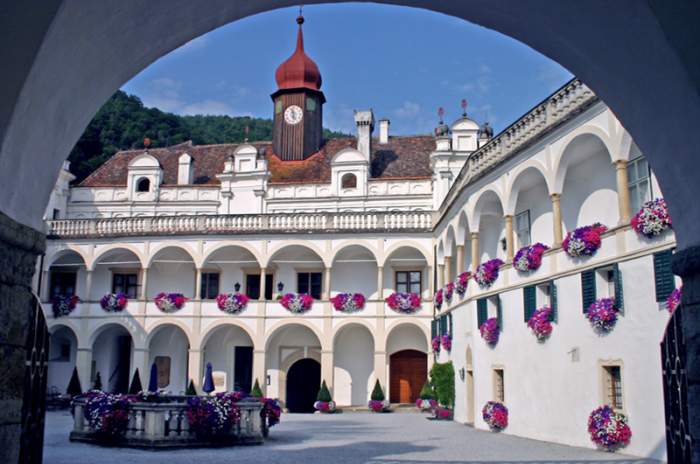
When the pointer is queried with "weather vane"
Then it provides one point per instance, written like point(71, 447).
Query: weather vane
point(464, 107)
point(441, 114)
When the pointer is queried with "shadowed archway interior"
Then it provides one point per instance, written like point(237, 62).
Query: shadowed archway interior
point(303, 380)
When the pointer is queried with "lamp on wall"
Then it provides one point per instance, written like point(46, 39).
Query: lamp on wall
point(504, 244)
point(462, 373)
point(280, 286)
point(237, 286)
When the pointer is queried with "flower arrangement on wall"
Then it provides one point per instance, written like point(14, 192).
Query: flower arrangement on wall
point(609, 429)
point(106, 413)
point(584, 241)
point(63, 305)
point(114, 302)
point(437, 299)
point(529, 258)
point(490, 331)
point(602, 314)
point(449, 291)
point(653, 219)
point(446, 341)
point(170, 302)
point(296, 302)
point(540, 323)
point(378, 402)
point(462, 282)
point(213, 415)
point(232, 303)
point(435, 342)
point(495, 414)
point(401, 302)
point(674, 299)
point(324, 402)
point(348, 302)
point(487, 273)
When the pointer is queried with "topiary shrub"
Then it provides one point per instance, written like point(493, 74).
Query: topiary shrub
point(74, 388)
point(191, 390)
point(427, 392)
point(324, 394)
point(136, 386)
point(377, 392)
point(442, 378)
point(98, 382)
point(256, 392)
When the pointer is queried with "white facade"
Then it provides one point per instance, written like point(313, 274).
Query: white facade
point(568, 163)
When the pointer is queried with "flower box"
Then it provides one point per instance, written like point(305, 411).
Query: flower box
point(609, 429)
point(529, 258)
point(63, 305)
point(406, 303)
point(674, 299)
point(297, 302)
point(438, 299)
point(446, 342)
point(462, 282)
point(379, 405)
point(652, 219)
point(584, 241)
point(602, 314)
point(114, 302)
point(490, 331)
point(541, 323)
point(435, 342)
point(495, 414)
point(487, 273)
point(232, 303)
point(348, 302)
point(449, 291)
point(326, 407)
point(169, 302)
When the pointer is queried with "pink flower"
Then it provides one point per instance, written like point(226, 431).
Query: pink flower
point(490, 331)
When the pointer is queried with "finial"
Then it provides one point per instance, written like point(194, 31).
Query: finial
point(300, 18)
point(441, 114)
point(463, 104)
point(146, 142)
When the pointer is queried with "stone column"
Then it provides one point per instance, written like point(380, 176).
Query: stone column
point(380, 282)
point(327, 368)
point(460, 259)
point(144, 284)
point(556, 220)
point(474, 237)
point(141, 358)
point(380, 367)
point(440, 276)
point(510, 240)
point(623, 191)
point(448, 269)
point(429, 278)
point(259, 371)
point(194, 368)
point(88, 285)
point(19, 248)
point(263, 287)
point(83, 363)
point(326, 284)
point(198, 284)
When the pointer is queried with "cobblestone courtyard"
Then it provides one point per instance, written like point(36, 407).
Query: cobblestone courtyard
point(342, 438)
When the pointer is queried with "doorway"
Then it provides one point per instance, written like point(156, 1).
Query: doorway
point(303, 381)
point(408, 370)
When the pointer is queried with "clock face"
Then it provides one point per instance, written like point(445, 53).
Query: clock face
point(293, 114)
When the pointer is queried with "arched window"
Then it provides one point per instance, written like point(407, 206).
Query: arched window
point(349, 181)
point(143, 185)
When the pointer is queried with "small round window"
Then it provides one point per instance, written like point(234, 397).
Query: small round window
point(349, 181)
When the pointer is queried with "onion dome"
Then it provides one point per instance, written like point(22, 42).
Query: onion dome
point(299, 71)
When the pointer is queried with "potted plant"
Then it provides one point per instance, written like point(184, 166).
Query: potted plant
point(324, 402)
point(378, 402)
point(426, 400)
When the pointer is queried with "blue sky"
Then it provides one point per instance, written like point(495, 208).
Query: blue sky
point(402, 62)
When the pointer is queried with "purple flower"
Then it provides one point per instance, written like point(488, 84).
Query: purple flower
point(487, 273)
point(529, 258)
point(602, 315)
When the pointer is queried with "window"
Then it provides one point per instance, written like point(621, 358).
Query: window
point(349, 181)
point(603, 282)
point(499, 392)
point(310, 104)
point(612, 386)
point(163, 371)
point(538, 296)
point(639, 182)
point(408, 282)
point(522, 228)
point(56, 213)
point(126, 284)
point(310, 282)
point(143, 185)
point(252, 286)
point(664, 279)
point(210, 285)
point(63, 283)
point(278, 106)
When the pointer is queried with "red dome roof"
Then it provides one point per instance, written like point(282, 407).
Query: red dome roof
point(299, 70)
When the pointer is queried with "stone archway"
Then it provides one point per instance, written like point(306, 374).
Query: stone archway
point(303, 381)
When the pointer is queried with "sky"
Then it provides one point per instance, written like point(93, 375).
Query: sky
point(401, 62)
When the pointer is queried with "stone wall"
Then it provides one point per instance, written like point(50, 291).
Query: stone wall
point(19, 248)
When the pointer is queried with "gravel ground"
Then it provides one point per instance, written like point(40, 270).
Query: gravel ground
point(339, 439)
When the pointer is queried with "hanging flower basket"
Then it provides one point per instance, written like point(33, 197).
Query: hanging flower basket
point(406, 303)
point(107, 414)
point(674, 299)
point(379, 405)
point(212, 416)
point(114, 302)
point(653, 219)
point(602, 314)
point(438, 299)
point(449, 291)
point(170, 302)
point(435, 342)
point(487, 273)
point(446, 342)
point(529, 258)
point(325, 406)
point(462, 282)
point(63, 305)
point(232, 303)
point(541, 323)
point(297, 302)
point(348, 302)
point(583, 241)
point(609, 429)
point(426, 404)
point(495, 414)
point(272, 411)
point(490, 331)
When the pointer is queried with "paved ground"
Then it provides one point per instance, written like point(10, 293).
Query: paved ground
point(339, 439)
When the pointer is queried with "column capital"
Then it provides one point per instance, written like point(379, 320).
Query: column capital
point(508, 217)
point(459, 246)
point(473, 235)
point(620, 164)
point(555, 196)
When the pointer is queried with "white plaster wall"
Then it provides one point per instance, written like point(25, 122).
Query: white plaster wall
point(537, 201)
point(490, 234)
point(353, 278)
point(59, 371)
point(170, 341)
point(219, 350)
point(285, 341)
point(354, 366)
point(171, 277)
point(105, 355)
point(406, 337)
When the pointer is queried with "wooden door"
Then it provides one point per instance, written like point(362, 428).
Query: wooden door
point(408, 371)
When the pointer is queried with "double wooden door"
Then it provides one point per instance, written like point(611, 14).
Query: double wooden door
point(408, 371)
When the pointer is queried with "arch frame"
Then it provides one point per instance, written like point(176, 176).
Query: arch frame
point(196, 258)
point(117, 246)
point(232, 243)
point(304, 244)
point(512, 193)
point(560, 163)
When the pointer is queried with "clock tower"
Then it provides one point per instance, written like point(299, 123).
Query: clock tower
point(298, 105)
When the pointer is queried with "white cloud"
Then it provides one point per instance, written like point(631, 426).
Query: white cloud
point(165, 94)
point(407, 110)
point(207, 107)
point(481, 84)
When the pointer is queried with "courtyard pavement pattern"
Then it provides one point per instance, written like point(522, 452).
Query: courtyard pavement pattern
point(356, 438)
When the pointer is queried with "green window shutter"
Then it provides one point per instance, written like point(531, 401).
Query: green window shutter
point(619, 295)
point(481, 311)
point(663, 275)
point(433, 329)
point(449, 318)
point(499, 312)
point(443, 325)
point(529, 302)
point(588, 289)
point(554, 303)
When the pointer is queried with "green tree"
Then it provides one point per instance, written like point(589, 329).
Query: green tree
point(377, 392)
point(442, 378)
point(191, 390)
point(135, 386)
point(427, 392)
point(74, 388)
point(256, 392)
point(324, 394)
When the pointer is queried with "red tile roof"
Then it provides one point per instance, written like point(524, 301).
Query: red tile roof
point(400, 158)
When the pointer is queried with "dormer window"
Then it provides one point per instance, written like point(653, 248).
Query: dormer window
point(143, 185)
point(349, 181)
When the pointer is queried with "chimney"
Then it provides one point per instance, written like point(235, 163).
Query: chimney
point(384, 131)
point(184, 169)
point(365, 125)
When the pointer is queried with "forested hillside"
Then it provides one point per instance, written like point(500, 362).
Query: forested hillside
point(123, 122)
